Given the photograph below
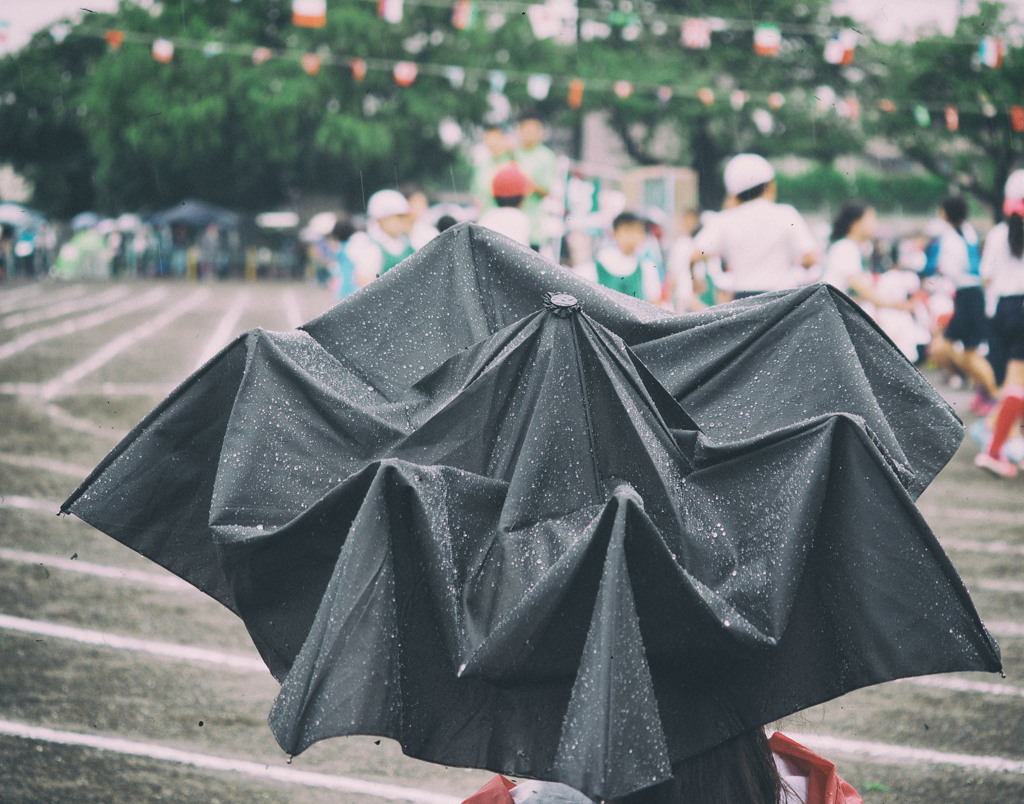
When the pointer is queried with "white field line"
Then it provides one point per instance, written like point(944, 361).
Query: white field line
point(46, 464)
point(36, 300)
point(13, 299)
point(225, 330)
point(979, 546)
point(973, 515)
point(992, 585)
point(110, 390)
point(284, 775)
point(150, 580)
point(151, 647)
point(292, 313)
point(64, 308)
point(72, 325)
point(898, 754)
point(29, 504)
point(121, 343)
point(953, 684)
point(65, 419)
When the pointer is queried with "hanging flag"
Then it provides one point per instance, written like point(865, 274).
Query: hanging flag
point(705, 96)
point(163, 51)
point(463, 14)
point(261, 54)
point(921, 115)
point(498, 80)
point(623, 89)
point(887, 106)
point(767, 39)
point(575, 98)
point(1017, 118)
point(848, 108)
point(456, 76)
point(696, 34)
point(392, 11)
point(776, 100)
point(311, 63)
point(952, 118)
point(358, 68)
point(664, 93)
point(738, 99)
point(991, 52)
point(114, 39)
point(309, 13)
point(538, 86)
point(987, 107)
point(839, 49)
point(555, 19)
point(405, 73)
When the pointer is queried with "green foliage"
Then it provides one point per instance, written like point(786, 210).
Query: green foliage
point(825, 188)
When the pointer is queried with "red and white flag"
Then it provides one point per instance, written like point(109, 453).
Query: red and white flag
point(309, 13)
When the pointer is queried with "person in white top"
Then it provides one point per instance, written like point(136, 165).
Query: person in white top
point(624, 265)
point(509, 188)
point(761, 242)
point(1002, 265)
point(385, 243)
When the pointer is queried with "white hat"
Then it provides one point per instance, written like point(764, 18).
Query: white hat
point(1014, 189)
point(385, 203)
point(746, 171)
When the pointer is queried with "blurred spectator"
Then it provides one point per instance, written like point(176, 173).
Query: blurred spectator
point(496, 151)
point(622, 265)
point(540, 164)
point(509, 188)
point(385, 243)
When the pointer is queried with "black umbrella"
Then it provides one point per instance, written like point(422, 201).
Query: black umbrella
point(195, 214)
point(518, 522)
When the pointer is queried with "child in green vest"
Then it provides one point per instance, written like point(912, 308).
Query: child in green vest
point(385, 243)
point(623, 265)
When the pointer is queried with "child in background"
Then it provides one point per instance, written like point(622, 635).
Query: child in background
point(622, 265)
point(509, 188)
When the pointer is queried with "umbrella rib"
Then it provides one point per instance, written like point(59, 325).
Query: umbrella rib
point(586, 407)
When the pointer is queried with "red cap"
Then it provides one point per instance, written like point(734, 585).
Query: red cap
point(509, 182)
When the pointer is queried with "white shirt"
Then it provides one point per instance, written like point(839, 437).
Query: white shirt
point(761, 243)
point(843, 260)
point(1003, 272)
point(953, 260)
point(509, 221)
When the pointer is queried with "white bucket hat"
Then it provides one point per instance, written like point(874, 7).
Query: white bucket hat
point(746, 171)
point(385, 203)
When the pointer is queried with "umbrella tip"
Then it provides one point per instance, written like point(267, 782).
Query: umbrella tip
point(562, 304)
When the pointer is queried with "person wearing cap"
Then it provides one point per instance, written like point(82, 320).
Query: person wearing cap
point(1002, 266)
point(623, 264)
point(540, 164)
point(759, 240)
point(509, 188)
point(385, 243)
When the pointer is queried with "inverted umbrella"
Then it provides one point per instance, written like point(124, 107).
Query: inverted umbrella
point(518, 522)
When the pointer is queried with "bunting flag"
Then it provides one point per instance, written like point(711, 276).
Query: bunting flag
point(776, 100)
point(309, 13)
point(738, 99)
point(163, 51)
point(839, 49)
point(887, 106)
point(405, 73)
point(952, 118)
point(311, 63)
point(695, 34)
point(664, 94)
point(392, 11)
point(463, 14)
point(114, 39)
point(498, 80)
point(922, 116)
point(575, 99)
point(211, 49)
point(456, 76)
point(623, 89)
point(358, 68)
point(555, 19)
point(538, 86)
point(1017, 118)
point(991, 52)
point(987, 107)
point(767, 39)
point(706, 96)
point(261, 55)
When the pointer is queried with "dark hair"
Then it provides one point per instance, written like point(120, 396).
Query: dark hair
point(445, 222)
point(849, 214)
point(741, 770)
point(956, 210)
point(754, 192)
point(627, 218)
point(1016, 224)
point(343, 229)
point(508, 200)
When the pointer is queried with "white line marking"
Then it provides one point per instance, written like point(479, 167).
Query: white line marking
point(104, 389)
point(73, 325)
point(292, 314)
point(46, 464)
point(65, 419)
point(225, 329)
point(1011, 587)
point(886, 753)
point(977, 546)
point(961, 685)
point(973, 515)
point(121, 343)
point(29, 504)
point(138, 577)
point(164, 650)
point(164, 753)
point(58, 309)
point(12, 299)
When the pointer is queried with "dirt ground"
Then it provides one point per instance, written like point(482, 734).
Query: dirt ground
point(100, 721)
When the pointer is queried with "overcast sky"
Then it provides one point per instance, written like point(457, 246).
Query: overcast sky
point(889, 19)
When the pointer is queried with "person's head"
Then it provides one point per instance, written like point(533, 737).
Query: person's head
point(510, 186)
point(954, 210)
point(749, 176)
point(854, 220)
point(389, 209)
point(531, 131)
point(446, 222)
point(343, 229)
point(496, 140)
point(629, 231)
point(418, 203)
point(740, 770)
point(1013, 210)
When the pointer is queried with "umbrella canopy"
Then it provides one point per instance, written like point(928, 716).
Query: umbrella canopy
point(20, 217)
point(196, 214)
point(517, 522)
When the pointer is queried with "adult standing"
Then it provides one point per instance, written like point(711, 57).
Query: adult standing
point(955, 349)
point(760, 241)
point(540, 164)
point(1002, 266)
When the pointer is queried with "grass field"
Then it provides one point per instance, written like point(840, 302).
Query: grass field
point(119, 683)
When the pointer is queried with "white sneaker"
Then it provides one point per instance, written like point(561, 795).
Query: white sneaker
point(997, 466)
